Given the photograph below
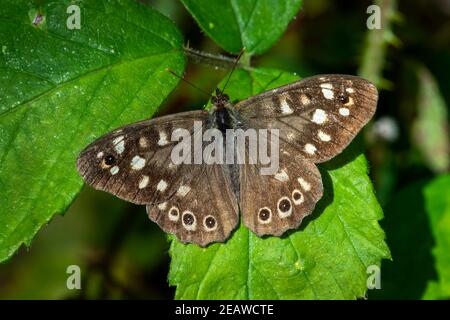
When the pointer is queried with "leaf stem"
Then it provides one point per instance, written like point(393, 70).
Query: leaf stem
point(216, 60)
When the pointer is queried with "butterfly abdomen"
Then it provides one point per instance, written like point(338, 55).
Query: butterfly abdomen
point(223, 119)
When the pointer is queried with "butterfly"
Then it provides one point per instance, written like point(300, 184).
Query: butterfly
point(316, 118)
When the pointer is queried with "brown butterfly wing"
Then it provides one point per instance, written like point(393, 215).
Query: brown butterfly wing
point(317, 118)
point(134, 163)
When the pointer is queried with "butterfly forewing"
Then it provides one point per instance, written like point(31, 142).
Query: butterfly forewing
point(134, 162)
point(320, 115)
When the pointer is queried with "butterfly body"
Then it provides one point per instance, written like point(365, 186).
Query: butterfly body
point(314, 120)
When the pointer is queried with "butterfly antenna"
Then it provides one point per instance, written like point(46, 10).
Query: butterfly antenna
point(234, 67)
point(188, 82)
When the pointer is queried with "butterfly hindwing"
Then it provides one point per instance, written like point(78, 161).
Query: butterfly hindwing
point(205, 212)
point(272, 204)
point(320, 115)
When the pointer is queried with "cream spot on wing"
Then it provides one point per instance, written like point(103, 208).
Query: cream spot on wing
point(183, 190)
point(327, 90)
point(326, 86)
point(143, 143)
point(281, 176)
point(304, 99)
point(328, 94)
point(323, 136)
point(143, 182)
point(119, 144)
point(137, 163)
point(172, 165)
point(344, 111)
point(350, 90)
point(304, 184)
point(100, 154)
point(319, 116)
point(162, 186)
point(309, 148)
point(162, 206)
point(290, 136)
point(285, 108)
point(114, 170)
point(162, 139)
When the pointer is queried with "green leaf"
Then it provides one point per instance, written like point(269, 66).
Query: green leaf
point(61, 88)
point(236, 24)
point(437, 203)
point(326, 258)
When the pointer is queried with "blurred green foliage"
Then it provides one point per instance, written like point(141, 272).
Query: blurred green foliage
point(123, 255)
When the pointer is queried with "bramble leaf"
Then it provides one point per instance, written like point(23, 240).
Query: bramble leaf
point(61, 88)
point(234, 24)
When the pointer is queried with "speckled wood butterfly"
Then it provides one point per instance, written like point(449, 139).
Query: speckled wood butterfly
point(316, 118)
